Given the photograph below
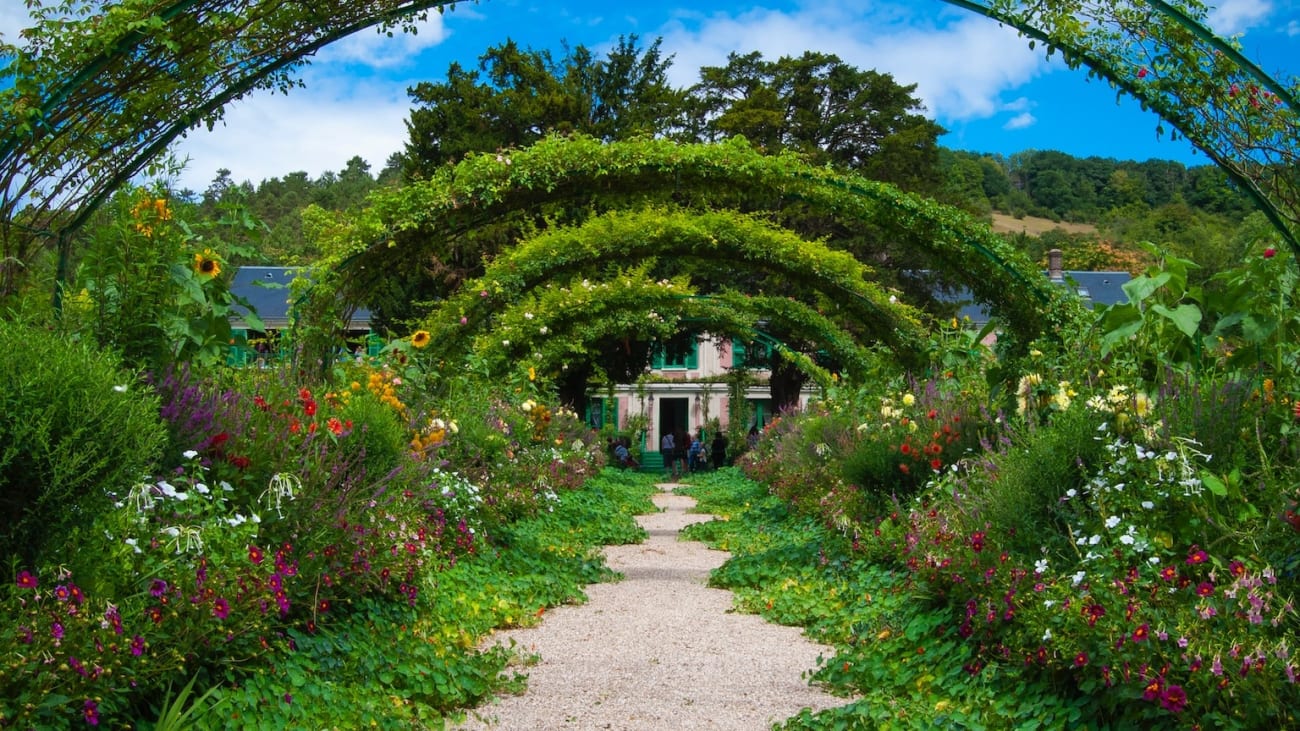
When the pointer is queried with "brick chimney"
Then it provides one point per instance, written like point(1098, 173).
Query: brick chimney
point(1054, 265)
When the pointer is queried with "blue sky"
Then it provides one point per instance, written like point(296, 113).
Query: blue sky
point(977, 79)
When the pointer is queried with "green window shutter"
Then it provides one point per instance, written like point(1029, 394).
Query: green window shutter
point(693, 357)
point(737, 353)
point(657, 362)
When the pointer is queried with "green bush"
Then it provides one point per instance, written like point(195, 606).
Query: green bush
point(378, 438)
point(75, 430)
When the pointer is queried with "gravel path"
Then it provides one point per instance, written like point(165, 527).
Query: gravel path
point(659, 650)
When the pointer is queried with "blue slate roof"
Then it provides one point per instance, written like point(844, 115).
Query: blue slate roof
point(267, 290)
point(1098, 289)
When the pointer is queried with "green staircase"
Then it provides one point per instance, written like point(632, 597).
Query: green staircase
point(652, 462)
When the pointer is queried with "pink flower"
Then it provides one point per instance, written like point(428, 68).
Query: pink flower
point(1197, 556)
point(26, 580)
point(137, 646)
point(1270, 252)
point(221, 608)
point(90, 712)
point(1205, 588)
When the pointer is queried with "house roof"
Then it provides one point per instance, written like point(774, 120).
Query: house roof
point(1097, 289)
point(267, 290)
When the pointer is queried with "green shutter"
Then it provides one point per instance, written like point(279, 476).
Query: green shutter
point(693, 358)
point(737, 353)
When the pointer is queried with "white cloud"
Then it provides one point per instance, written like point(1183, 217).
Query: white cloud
point(1232, 17)
point(1020, 121)
point(13, 18)
point(376, 49)
point(1293, 28)
point(315, 129)
point(961, 64)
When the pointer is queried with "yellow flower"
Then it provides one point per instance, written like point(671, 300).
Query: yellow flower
point(420, 338)
point(908, 399)
point(532, 374)
point(206, 264)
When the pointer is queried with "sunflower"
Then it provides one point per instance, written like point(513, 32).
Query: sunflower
point(207, 264)
point(420, 338)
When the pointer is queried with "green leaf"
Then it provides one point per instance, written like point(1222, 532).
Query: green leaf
point(1214, 484)
point(1187, 318)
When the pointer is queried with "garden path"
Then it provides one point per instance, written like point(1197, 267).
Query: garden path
point(659, 650)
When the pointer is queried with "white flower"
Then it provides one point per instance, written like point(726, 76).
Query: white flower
point(226, 486)
point(1094, 540)
point(1112, 521)
point(1071, 492)
point(543, 330)
point(120, 389)
point(1040, 566)
point(1047, 635)
point(189, 454)
point(1153, 560)
point(528, 315)
point(1047, 603)
point(1148, 505)
point(201, 488)
point(1126, 539)
point(1078, 577)
point(132, 543)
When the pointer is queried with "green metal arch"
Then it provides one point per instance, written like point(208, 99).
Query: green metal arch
point(560, 334)
point(620, 236)
point(484, 188)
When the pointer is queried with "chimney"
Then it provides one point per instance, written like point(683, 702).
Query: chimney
point(1054, 265)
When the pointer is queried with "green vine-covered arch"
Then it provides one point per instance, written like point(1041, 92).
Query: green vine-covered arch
point(745, 242)
point(554, 324)
point(485, 188)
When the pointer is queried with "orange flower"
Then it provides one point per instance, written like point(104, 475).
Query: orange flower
point(206, 264)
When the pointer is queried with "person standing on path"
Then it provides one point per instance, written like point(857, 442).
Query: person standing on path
point(667, 448)
point(719, 450)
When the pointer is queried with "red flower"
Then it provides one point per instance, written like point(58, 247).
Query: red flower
point(977, 541)
point(1237, 568)
point(323, 606)
point(1142, 73)
point(1152, 691)
point(309, 408)
point(936, 464)
point(932, 413)
point(1081, 659)
point(1205, 588)
point(1197, 556)
point(1140, 634)
point(1174, 699)
point(304, 394)
point(255, 554)
point(1270, 252)
point(335, 426)
point(240, 461)
point(1169, 573)
point(155, 614)
point(904, 469)
point(261, 403)
point(26, 580)
point(219, 440)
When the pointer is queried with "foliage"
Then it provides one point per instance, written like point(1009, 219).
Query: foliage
point(77, 429)
point(523, 95)
point(824, 109)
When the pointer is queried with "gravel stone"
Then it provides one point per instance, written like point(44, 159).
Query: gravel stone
point(658, 650)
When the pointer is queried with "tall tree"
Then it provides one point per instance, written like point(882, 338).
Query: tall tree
point(518, 95)
point(824, 108)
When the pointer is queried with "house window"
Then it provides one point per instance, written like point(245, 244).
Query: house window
point(685, 361)
point(753, 354)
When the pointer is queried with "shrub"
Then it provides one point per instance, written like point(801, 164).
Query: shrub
point(378, 437)
point(74, 428)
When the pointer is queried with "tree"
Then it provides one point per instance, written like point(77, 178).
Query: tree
point(517, 96)
point(820, 106)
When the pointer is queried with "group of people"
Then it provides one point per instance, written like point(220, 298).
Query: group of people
point(684, 454)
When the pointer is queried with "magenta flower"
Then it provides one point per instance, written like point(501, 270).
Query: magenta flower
point(1174, 699)
point(26, 580)
point(61, 593)
point(1270, 252)
point(255, 554)
point(1205, 588)
point(158, 587)
point(91, 712)
point(1197, 556)
point(221, 608)
point(56, 631)
point(76, 594)
point(137, 646)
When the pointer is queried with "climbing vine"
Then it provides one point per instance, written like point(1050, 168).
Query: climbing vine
point(742, 240)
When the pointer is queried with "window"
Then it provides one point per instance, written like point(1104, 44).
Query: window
point(753, 354)
point(685, 361)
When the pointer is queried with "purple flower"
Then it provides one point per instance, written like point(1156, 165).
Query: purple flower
point(91, 713)
point(158, 588)
point(137, 646)
point(221, 608)
point(56, 631)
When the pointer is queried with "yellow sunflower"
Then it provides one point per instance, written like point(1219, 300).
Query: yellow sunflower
point(420, 338)
point(207, 264)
